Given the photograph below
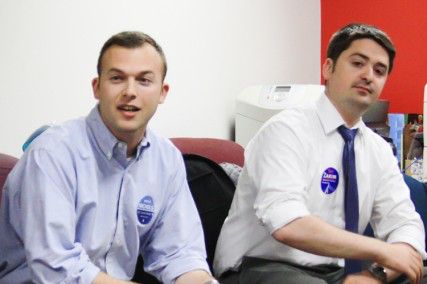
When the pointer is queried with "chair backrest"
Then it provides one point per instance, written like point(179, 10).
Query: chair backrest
point(6, 164)
point(218, 150)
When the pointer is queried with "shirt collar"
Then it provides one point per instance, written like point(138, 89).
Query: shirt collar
point(144, 144)
point(331, 119)
point(106, 140)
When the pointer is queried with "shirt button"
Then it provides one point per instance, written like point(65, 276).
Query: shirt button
point(109, 155)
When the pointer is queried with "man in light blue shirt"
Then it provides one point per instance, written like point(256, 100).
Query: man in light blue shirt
point(92, 194)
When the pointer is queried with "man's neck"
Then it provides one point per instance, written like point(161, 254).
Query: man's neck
point(132, 146)
point(349, 113)
point(132, 142)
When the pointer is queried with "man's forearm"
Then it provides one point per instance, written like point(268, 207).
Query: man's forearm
point(313, 235)
point(103, 278)
point(194, 277)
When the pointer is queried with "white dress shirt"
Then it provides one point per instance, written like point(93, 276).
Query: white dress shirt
point(285, 177)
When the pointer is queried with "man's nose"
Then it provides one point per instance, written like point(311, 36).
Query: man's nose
point(368, 74)
point(130, 88)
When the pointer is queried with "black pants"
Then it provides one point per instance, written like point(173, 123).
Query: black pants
point(262, 271)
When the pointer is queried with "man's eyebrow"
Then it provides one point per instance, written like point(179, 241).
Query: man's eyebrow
point(361, 55)
point(148, 72)
point(367, 58)
point(114, 70)
point(142, 73)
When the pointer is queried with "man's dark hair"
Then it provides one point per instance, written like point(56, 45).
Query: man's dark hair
point(343, 38)
point(131, 39)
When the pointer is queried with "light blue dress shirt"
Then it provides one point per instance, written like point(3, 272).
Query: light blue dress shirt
point(75, 205)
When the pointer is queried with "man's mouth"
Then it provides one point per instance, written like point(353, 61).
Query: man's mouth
point(128, 108)
point(363, 88)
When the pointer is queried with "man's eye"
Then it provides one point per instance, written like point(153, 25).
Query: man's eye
point(144, 81)
point(115, 78)
point(380, 71)
point(357, 63)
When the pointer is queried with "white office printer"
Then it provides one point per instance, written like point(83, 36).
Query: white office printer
point(256, 104)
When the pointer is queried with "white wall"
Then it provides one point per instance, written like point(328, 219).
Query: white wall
point(49, 48)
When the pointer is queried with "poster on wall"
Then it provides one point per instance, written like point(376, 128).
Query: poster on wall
point(406, 130)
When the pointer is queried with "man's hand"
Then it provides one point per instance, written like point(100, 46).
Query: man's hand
point(364, 277)
point(402, 258)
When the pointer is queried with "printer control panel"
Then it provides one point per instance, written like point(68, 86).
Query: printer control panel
point(274, 96)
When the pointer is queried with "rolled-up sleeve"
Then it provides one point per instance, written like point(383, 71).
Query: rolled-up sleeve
point(177, 244)
point(43, 216)
point(276, 161)
point(394, 218)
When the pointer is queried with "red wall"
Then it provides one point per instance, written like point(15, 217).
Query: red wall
point(405, 21)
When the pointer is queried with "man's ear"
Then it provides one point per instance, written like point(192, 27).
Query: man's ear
point(164, 93)
point(95, 87)
point(327, 68)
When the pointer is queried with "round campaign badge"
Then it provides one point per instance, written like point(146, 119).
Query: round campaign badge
point(329, 182)
point(145, 210)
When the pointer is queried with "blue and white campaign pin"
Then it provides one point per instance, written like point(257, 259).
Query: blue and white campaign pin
point(330, 179)
point(145, 210)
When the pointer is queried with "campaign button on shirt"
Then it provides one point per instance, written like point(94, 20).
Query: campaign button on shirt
point(329, 181)
point(145, 210)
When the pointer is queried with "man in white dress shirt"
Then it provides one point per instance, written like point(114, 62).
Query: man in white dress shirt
point(287, 222)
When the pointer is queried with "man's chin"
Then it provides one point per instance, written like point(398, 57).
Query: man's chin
point(362, 105)
point(366, 100)
point(128, 129)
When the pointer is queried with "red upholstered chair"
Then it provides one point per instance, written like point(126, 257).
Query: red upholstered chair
point(6, 164)
point(218, 150)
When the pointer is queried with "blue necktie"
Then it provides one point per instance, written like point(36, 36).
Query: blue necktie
point(351, 197)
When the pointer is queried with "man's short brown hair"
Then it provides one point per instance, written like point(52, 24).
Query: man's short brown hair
point(131, 39)
point(343, 38)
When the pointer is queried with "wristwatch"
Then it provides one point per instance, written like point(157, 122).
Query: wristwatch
point(378, 272)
